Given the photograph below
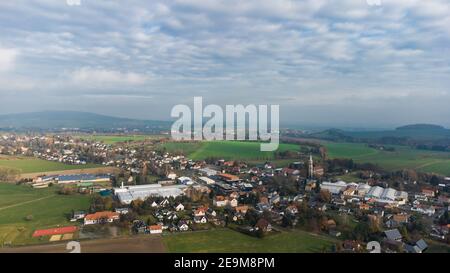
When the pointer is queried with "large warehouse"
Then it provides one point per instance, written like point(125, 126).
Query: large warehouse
point(334, 187)
point(129, 193)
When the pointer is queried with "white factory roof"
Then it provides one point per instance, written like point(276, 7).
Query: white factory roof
point(388, 194)
point(128, 194)
point(334, 188)
point(375, 192)
point(207, 180)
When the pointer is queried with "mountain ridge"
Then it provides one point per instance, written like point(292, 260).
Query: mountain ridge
point(74, 119)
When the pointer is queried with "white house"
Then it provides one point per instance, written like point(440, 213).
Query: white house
point(234, 202)
point(182, 226)
point(220, 201)
point(155, 229)
point(179, 207)
point(200, 220)
point(164, 203)
point(101, 217)
point(172, 176)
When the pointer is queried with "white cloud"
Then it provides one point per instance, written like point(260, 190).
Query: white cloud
point(104, 77)
point(7, 59)
point(228, 49)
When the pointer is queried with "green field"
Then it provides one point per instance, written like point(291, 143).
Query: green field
point(402, 158)
point(113, 139)
point(47, 208)
point(229, 150)
point(34, 165)
point(226, 240)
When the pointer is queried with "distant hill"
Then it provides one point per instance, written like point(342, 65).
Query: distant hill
point(50, 120)
point(421, 127)
point(416, 132)
point(333, 135)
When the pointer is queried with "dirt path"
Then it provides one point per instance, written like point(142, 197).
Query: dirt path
point(27, 202)
point(428, 164)
point(136, 244)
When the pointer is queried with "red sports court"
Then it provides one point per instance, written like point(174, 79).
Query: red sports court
point(54, 231)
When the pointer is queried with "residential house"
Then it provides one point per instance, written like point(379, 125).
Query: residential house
point(220, 201)
point(200, 220)
point(393, 235)
point(419, 247)
point(77, 215)
point(121, 210)
point(179, 207)
point(401, 218)
point(183, 226)
point(364, 206)
point(156, 229)
point(310, 185)
point(200, 212)
point(164, 203)
point(241, 209)
point(291, 209)
point(101, 217)
point(263, 225)
point(428, 192)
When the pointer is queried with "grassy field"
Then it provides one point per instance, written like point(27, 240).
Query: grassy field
point(47, 208)
point(226, 240)
point(402, 158)
point(34, 165)
point(350, 177)
point(112, 139)
point(437, 247)
point(225, 149)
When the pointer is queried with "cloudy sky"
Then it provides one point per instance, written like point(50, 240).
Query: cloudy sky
point(336, 62)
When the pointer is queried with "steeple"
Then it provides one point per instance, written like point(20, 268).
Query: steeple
point(311, 167)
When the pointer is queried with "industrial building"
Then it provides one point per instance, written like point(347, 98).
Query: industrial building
point(334, 188)
point(129, 193)
point(375, 193)
point(43, 181)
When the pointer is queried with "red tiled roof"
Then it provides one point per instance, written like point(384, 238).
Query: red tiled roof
point(155, 227)
point(102, 214)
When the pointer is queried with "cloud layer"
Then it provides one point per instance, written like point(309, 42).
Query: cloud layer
point(336, 62)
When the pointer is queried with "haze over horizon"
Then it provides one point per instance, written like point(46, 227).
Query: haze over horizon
point(331, 63)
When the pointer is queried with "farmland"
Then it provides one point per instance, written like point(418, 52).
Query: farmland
point(34, 165)
point(113, 139)
point(46, 208)
point(237, 150)
point(402, 158)
point(226, 240)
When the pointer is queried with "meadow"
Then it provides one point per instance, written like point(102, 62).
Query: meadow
point(228, 150)
point(46, 208)
point(402, 158)
point(226, 241)
point(35, 165)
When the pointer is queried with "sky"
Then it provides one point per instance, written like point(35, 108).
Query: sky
point(362, 63)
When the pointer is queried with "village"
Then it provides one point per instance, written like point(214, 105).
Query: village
point(155, 192)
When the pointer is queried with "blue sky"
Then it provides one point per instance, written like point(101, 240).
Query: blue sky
point(333, 63)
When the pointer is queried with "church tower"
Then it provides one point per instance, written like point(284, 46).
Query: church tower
point(311, 167)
